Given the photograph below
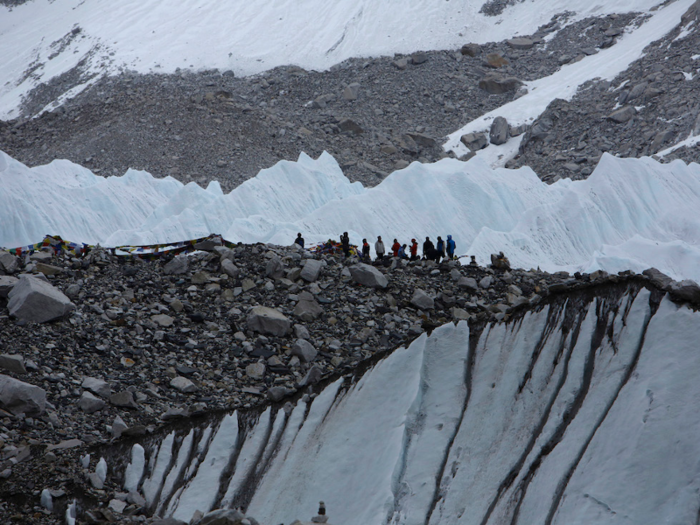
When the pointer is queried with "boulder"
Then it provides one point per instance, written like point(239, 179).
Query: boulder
point(496, 84)
point(520, 43)
point(307, 310)
point(471, 50)
point(177, 266)
point(499, 131)
point(36, 301)
point(277, 393)
point(347, 125)
point(474, 141)
point(268, 321)
point(422, 300)
point(422, 140)
point(274, 268)
point(304, 350)
point(622, 115)
point(495, 60)
point(351, 91)
point(13, 363)
point(123, 399)
point(311, 270)
point(8, 262)
point(468, 283)
point(221, 517)
point(255, 370)
point(313, 376)
point(419, 58)
point(367, 275)
point(89, 403)
point(21, 398)
point(686, 290)
point(163, 320)
point(499, 262)
point(6, 284)
point(660, 279)
point(97, 386)
point(183, 385)
point(48, 269)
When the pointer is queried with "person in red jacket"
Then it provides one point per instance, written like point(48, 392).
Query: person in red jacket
point(395, 248)
point(414, 250)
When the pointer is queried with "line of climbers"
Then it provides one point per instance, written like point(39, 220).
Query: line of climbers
point(444, 249)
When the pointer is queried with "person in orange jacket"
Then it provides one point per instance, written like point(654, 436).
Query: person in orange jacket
point(414, 250)
point(395, 248)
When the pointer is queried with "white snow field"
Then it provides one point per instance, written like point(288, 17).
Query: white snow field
point(630, 214)
point(564, 417)
point(43, 39)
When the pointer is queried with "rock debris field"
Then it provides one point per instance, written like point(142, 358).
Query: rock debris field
point(104, 348)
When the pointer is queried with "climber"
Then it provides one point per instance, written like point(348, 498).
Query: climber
point(428, 249)
point(440, 248)
point(365, 250)
point(451, 245)
point(379, 248)
point(414, 250)
point(395, 248)
point(345, 242)
point(299, 240)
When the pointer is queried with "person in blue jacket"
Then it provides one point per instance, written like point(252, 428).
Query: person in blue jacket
point(451, 245)
point(299, 240)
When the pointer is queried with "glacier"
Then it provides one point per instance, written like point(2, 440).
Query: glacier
point(630, 214)
point(578, 411)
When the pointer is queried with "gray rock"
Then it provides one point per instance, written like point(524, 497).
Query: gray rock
point(401, 63)
point(347, 125)
point(255, 370)
point(422, 300)
point(458, 314)
point(311, 270)
point(304, 350)
point(41, 256)
point(367, 275)
point(418, 58)
point(499, 263)
point(274, 268)
point(468, 283)
point(301, 331)
point(351, 91)
point(422, 140)
point(8, 262)
point(36, 301)
point(163, 320)
point(13, 363)
point(313, 376)
point(177, 266)
point(221, 517)
point(495, 60)
point(21, 398)
point(474, 141)
point(7, 282)
point(686, 290)
point(660, 279)
point(89, 403)
point(48, 269)
point(277, 393)
point(486, 282)
point(660, 139)
point(499, 131)
point(307, 309)
point(268, 321)
point(123, 399)
point(97, 386)
point(623, 115)
point(471, 50)
point(322, 101)
point(520, 43)
point(496, 84)
point(200, 278)
point(118, 426)
point(183, 384)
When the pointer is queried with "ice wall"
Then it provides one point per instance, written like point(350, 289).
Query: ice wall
point(630, 214)
point(582, 412)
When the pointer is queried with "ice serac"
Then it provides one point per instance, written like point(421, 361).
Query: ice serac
point(618, 219)
point(581, 410)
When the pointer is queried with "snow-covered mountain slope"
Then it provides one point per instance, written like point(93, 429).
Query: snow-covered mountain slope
point(604, 65)
point(629, 214)
point(579, 413)
point(41, 39)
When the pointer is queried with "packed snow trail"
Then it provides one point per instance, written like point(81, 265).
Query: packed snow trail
point(42, 40)
point(630, 214)
point(580, 412)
